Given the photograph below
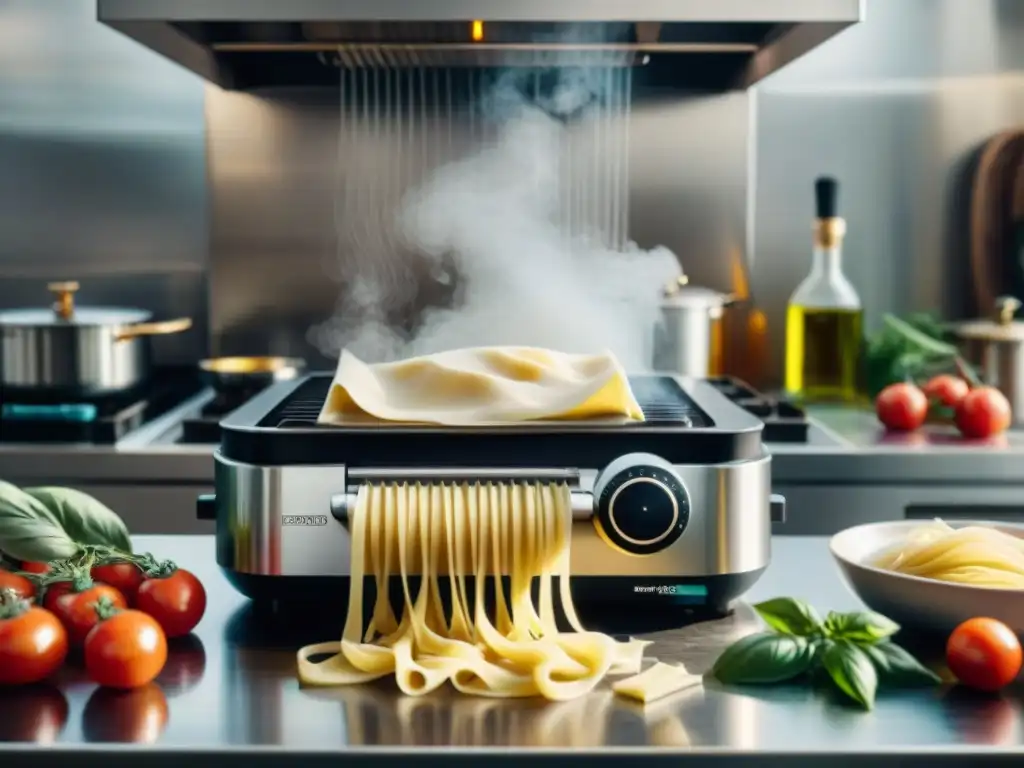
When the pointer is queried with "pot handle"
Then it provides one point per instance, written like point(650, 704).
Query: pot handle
point(162, 328)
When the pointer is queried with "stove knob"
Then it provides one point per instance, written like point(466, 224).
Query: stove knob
point(641, 505)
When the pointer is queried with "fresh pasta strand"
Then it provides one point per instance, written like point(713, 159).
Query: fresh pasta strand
point(972, 555)
point(475, 531)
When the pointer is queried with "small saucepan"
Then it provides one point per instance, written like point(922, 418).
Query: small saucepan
point(70, 351)
point(248, 375)
point(1001, 341)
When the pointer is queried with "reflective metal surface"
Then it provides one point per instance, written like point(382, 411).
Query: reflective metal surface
point(728, 530)
point(287, 245)
point(104, 169)
point(253, 44)
point(897, 109)
point(233, 687)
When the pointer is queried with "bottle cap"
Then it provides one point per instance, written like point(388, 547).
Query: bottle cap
point(826, 196)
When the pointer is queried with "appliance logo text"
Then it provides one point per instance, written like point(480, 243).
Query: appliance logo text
point(304, 520)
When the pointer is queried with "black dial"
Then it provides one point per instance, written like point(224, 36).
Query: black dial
point(641, 508)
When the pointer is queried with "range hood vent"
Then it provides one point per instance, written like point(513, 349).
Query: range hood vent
point(698, 44)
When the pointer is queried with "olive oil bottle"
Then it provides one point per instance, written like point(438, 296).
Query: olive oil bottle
point(824, 318)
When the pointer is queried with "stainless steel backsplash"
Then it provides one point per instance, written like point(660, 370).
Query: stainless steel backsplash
point(102, 169)
point(113, 175)
point(303, 190)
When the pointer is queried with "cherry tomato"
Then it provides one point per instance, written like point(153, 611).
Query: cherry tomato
point(77, 610)
point(21, 586)
point(901, 407)
point(33, 713)
point(127, 650)
point(137, 716)
point(946, 390)
point(177, 602)
point(33, 567)
point(984, 654)
point(124, 577)
point(983, 412)
point(33, 644)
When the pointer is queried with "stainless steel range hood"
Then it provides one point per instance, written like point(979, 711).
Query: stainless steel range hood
point(252, 44)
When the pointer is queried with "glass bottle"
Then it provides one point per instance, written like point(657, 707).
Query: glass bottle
point(824, 319)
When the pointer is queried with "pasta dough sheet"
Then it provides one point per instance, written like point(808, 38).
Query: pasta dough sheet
point(483, 385)
point(657, 682)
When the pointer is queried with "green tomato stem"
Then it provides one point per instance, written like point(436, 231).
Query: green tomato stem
point(12, 605)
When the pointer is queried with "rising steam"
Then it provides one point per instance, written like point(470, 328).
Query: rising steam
point(496, 222)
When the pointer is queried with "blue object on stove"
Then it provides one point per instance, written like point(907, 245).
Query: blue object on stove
point(77, 413)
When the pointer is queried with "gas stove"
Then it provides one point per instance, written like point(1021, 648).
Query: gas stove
point(96, 421)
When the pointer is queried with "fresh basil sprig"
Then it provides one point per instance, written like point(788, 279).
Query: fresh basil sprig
point(48, 524)
point(854, 650)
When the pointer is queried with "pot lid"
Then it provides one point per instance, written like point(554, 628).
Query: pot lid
point(65, 313)
point(1002, 328)
point(681, 293)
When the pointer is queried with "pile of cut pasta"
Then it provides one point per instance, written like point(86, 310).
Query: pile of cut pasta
point(973, 555)
point(465, 534)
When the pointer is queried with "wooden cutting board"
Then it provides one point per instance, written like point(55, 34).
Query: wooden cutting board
point(997, 211)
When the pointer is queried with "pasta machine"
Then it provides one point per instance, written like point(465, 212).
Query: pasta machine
point(671, 512)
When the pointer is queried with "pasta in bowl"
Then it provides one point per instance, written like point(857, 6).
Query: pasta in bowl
point(931, 576)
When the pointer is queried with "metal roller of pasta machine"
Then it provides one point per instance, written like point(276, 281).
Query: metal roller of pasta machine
point(672, 512)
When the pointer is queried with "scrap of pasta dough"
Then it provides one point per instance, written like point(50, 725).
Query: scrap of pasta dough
point(656, 682)
point(482, 385)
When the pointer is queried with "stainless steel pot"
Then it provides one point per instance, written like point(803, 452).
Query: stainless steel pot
point(77, 351)
point(688, 336)
point(1002, 348)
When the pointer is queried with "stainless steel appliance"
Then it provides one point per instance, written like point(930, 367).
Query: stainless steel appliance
point(674, 511)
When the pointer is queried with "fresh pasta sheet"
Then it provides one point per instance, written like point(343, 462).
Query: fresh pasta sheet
point(459, 534)
point(483, 385)
point(973, 555)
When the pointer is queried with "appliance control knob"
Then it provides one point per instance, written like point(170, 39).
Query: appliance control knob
point(641, 505)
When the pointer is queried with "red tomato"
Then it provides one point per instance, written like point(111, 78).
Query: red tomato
point(137, 716)
point(33, 713)
point(983, 412)
point(31, 567)
point(901, 407)
point(177, 602)
point(33, 643)
point(946, 390)
point(127, 650)
point(984, 654)
point(124, 577)
point(77, 610)
point(21, 586)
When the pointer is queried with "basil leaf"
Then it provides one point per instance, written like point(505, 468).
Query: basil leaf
point(852, 672)
point(52, 523)
point(28, 531)
point(84, 519)
point(897, 667)
point(789, 616)
point(863, 627)
point(764, 658)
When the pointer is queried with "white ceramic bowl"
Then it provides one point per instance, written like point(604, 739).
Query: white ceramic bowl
point(916, 603)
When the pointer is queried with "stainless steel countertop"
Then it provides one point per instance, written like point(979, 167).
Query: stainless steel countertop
point(845, 445)
point(232, 687)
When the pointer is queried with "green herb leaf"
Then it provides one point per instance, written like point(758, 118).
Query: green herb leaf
point(852, 672)
point(862, 627)
point(53, 523)
point(764, 658)
point(898, 668)
point(789, 616)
